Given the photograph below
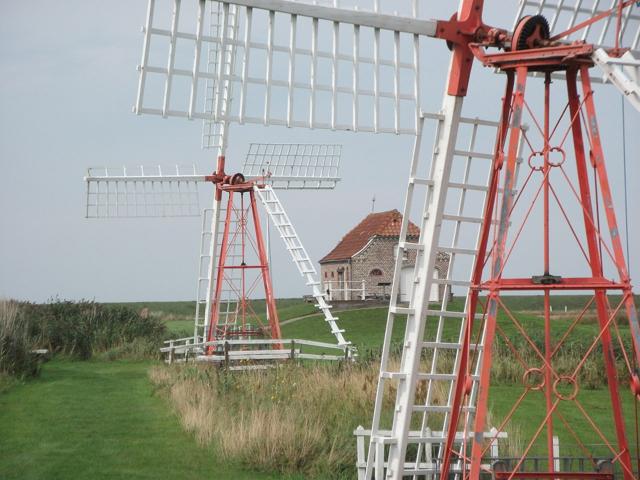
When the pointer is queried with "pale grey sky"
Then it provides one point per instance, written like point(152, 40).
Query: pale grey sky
point(67, 85)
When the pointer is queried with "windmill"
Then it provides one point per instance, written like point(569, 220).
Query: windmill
point(233, 259)
point(319, 65)
point(233, 255)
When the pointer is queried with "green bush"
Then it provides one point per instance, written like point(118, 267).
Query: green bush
point(16, 343)
point(80, 329)
point(77, 329)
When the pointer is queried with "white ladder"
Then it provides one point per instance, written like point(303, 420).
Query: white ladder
point(430, 350)
point(207, 272)
point(299, 255)
point(623, 72)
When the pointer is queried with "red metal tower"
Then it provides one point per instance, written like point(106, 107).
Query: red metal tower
point(242, 266)
point(558, 387)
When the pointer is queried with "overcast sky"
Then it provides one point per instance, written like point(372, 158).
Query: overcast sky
point(67, 86)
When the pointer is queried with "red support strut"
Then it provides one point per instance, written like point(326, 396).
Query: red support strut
point(557, 386)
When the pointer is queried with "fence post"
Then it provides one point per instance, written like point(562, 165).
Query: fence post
point(171, 352)
point(428, 450)
point(556, 453)
point(363, 291)
point(494, 443)
point(360, 459)
point(379, 467)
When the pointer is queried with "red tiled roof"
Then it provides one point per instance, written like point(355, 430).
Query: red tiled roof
point(383, 224)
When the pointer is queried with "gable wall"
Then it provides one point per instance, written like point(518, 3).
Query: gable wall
point(330, 279)
point(377, 255)
point(380, 254)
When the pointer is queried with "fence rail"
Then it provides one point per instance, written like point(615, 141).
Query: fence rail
point(230, 351)
point(345, 290)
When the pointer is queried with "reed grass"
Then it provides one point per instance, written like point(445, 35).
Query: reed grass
point(16, 343)
point(291, 419)
point(78, 330)
point(82, 329)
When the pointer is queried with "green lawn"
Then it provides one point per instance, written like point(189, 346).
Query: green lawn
point(178, 316)
point(98, 420)
point(365, 327)
point(596, 403)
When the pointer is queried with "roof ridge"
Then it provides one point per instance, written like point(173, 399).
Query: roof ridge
point(383, 224)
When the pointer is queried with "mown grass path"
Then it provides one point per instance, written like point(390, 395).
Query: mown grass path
point(98, 420)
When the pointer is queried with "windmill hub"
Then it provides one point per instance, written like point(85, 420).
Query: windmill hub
point(532, 31)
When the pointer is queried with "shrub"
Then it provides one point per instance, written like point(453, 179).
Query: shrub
point(80, 329)
point(16, 344)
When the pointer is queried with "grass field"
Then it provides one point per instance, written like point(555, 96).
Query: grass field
point(99, 420)
point(178, 316)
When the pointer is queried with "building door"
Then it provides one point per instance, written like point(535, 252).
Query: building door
point(341, 285)
point(406, 282)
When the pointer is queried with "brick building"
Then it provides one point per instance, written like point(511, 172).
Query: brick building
point(362, 263)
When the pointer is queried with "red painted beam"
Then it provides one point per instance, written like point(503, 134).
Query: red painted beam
point(569, 283)
point(553, 476)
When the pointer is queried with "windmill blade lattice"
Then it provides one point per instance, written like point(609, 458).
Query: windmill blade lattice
point(142, 192)
point(293, 166)
point(329, 72)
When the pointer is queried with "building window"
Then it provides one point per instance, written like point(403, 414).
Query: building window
point(325, 274)
point(376, 272)
point(331, 274)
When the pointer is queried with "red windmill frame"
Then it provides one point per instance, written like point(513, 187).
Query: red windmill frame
point(574, 61)
point(232, 187)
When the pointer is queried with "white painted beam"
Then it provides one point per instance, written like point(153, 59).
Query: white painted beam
point(342, 15)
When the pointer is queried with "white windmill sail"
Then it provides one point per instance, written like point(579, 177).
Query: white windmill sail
point(293, 166)
point(623, 72)
point(142, 191)
point(447, 192)
point(299, 256)
point(308, 66)
point(214, 133)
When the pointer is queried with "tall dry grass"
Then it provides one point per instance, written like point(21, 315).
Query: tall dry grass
point(288, 419)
